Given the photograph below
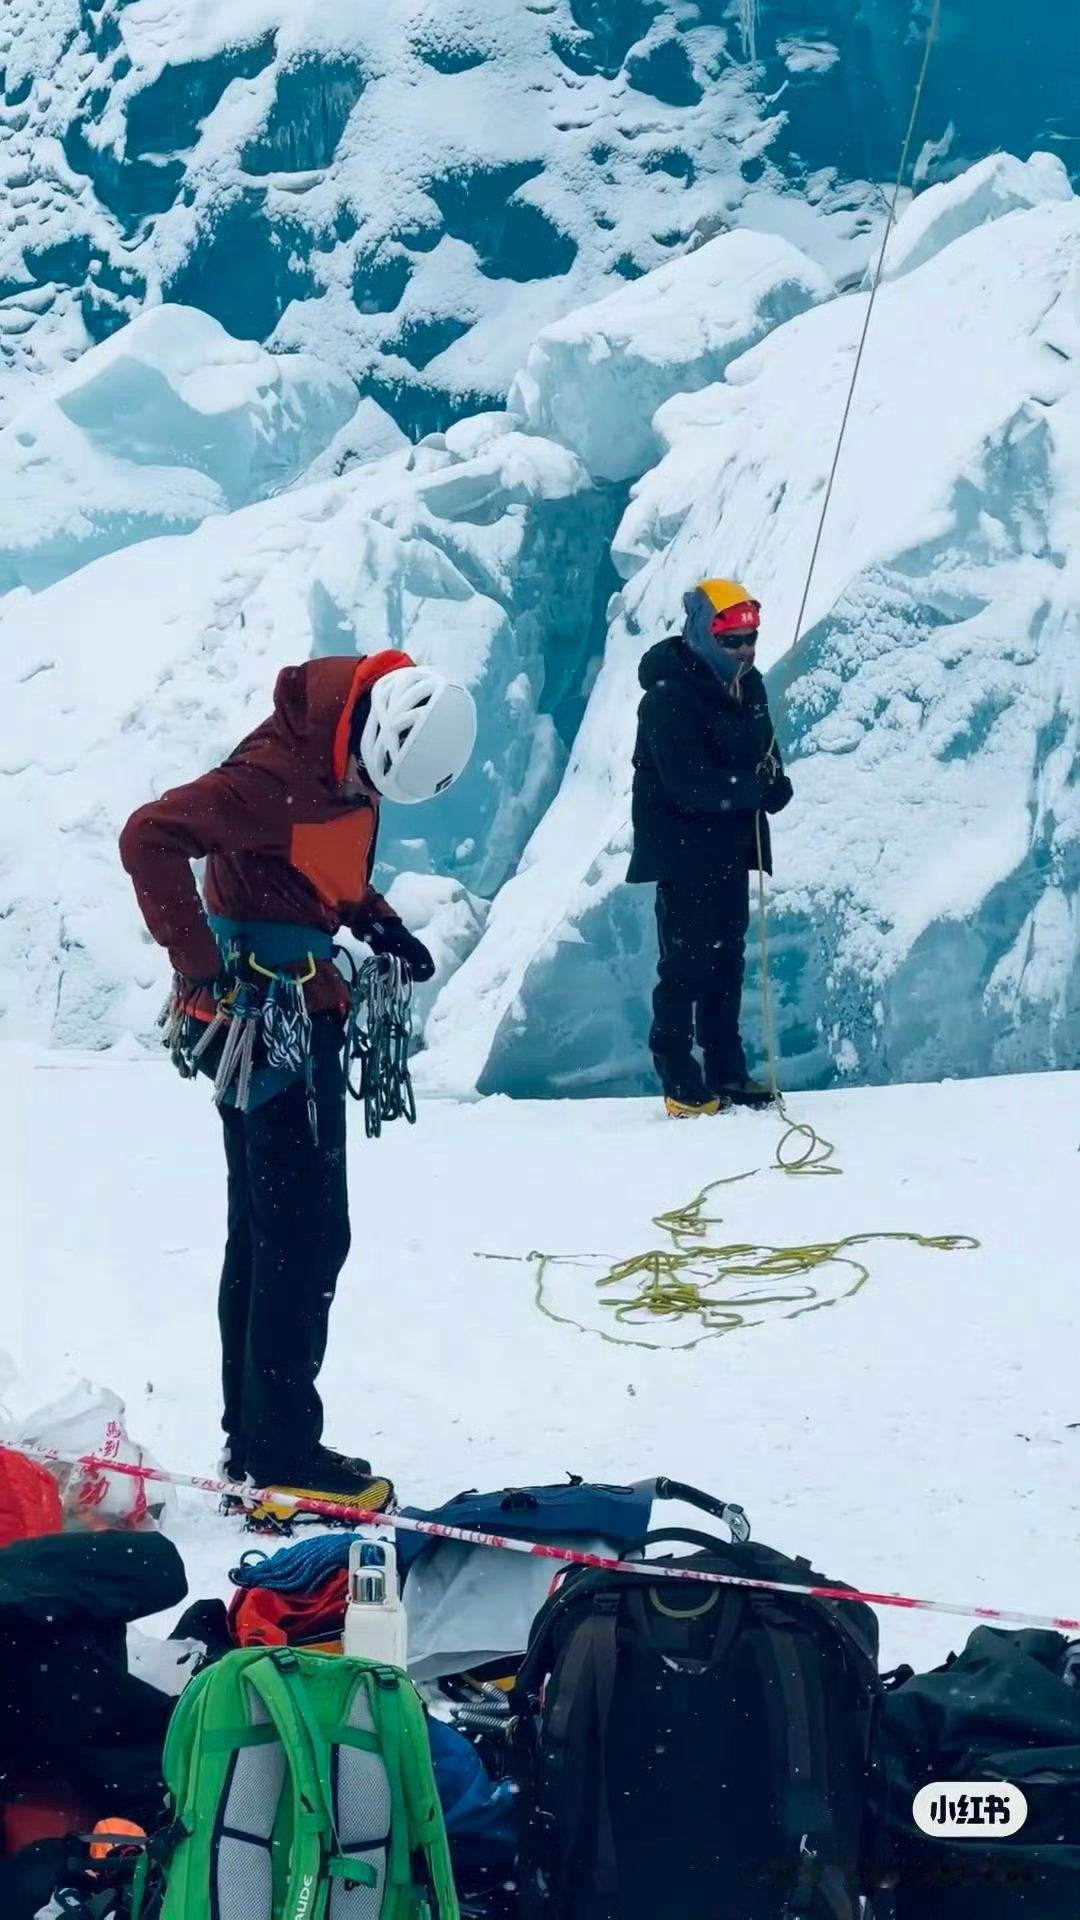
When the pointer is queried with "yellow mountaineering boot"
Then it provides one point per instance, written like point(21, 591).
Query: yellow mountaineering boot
point(332, 1479)
point(691, 1110)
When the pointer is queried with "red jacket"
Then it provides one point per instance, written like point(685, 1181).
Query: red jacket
point(281, 840)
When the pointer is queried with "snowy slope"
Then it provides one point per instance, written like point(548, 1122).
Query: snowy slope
point(914, 1437)
point(925, 913)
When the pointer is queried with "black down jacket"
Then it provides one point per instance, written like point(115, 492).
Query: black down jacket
point(702, 770)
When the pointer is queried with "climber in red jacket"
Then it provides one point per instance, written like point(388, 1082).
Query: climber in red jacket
point(287, 826)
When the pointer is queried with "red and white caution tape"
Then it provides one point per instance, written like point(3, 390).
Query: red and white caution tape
point(539, 1550)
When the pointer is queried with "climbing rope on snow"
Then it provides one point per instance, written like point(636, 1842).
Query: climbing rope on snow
point(681, 1281)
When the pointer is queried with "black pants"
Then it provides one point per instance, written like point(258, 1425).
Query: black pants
point(702, 933)
point(288, 1240)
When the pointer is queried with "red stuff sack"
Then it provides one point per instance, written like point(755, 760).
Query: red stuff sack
point(29, 1499)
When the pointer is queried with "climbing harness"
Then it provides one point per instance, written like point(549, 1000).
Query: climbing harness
point(262, 1024)
point(263, 1027)
point(379, 1035)
point(679, 1282)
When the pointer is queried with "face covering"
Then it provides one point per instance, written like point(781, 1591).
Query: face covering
point(698, 636)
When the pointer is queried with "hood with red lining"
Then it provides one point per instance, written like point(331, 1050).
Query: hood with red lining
point(314, 704)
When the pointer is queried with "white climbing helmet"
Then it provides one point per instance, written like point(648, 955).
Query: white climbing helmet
point(419, 735)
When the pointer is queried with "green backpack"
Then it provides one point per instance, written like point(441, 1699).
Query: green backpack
point(301, 1788)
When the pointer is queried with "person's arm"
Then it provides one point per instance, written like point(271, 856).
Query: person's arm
point(778, 788)
point(237, 808)
point(680, 751)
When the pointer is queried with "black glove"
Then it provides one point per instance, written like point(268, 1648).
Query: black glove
point(779, 795)
point(390, 936)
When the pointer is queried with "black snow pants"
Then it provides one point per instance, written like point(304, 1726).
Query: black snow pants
point(702, 934)
point(287, 1243)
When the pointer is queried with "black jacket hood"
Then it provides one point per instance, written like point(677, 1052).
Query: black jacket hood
point(673, 657)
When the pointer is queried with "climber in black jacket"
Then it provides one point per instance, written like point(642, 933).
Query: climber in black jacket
point(706, 768)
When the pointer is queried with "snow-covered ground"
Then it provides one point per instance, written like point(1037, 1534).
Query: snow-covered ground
point(914, 1438)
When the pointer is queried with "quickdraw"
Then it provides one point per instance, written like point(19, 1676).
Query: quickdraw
point(379, 1035)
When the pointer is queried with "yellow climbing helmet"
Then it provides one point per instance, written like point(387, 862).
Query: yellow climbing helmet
point(722, 607)
point(724, 594)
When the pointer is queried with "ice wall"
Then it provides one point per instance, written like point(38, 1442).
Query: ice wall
point(411, 192)
point(147, 665)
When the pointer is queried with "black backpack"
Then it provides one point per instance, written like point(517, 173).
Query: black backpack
point(697, 1752)
point(1003, 1709)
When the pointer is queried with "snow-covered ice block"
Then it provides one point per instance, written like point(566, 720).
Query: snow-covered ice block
point(998, 185)
point(149, 665)
point(166, 422)
point(595, 380)
point(924, 914)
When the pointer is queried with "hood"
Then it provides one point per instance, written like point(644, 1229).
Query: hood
point(314, 705)
point(672, 657)
point(661, 661)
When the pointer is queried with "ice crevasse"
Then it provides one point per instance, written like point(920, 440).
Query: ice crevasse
point(924, 916)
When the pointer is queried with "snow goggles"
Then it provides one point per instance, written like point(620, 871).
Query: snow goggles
point(736, 626)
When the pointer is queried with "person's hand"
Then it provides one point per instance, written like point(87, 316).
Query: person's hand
point(779, 794)
point(391, 936)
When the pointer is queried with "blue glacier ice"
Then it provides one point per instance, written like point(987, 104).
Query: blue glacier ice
point(167, 422)
point(479, 331)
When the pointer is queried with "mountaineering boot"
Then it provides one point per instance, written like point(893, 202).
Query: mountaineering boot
point(693, 1109)
point(746, 1093)
point(326, 1476)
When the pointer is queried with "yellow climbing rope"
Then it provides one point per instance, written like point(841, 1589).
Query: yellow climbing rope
point(692, 1279)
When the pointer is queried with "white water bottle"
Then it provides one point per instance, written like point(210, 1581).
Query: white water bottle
point(375, 1623)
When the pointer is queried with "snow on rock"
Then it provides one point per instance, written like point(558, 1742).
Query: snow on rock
point(595, 379)
point(165, 423)
point(149, 665)
point(998, 185)
point(924, 915)
point(411, 194)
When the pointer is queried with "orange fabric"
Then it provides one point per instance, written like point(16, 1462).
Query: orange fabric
point(29, 1500)
point(335, 855)
point(258, 1617)
point(114, 1836)
point(367, 672)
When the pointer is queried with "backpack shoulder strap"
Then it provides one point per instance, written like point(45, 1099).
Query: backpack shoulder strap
point(582, 1704)
point(421, 1804)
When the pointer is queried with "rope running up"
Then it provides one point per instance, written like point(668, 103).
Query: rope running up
point(801, 1149)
